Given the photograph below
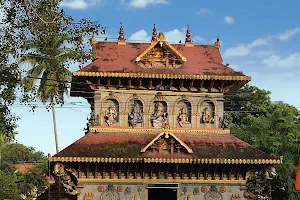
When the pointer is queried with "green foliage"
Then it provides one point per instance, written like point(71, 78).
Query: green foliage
point(275, 130)
point(18, 153)
point(8, 187)
point(12, 183)
point(249, 100)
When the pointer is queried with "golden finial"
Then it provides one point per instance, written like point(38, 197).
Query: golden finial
point(217, 44)
point(93, 40)
point(154, 35)
point(188, 35)
point(161, 38)
point(121, 34)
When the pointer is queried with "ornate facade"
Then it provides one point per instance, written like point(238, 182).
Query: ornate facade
point(156, 128)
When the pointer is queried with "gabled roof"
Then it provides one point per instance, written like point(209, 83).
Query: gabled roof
point(167, 134)
point(163, 43)
point(121, 60)
point(118, 146)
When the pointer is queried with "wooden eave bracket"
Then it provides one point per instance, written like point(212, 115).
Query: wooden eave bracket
point(167, 134)
point(164, 45)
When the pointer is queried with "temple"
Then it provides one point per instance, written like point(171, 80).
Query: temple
point(157, 128)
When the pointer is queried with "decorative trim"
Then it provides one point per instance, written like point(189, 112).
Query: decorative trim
point(168, 160)
point(167, 134)
point(170, 76)
point(177, 130)
point(93, 180)
point(161, 41)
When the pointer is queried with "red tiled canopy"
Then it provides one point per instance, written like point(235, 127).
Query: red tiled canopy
point(129, 145)
point(201, 60)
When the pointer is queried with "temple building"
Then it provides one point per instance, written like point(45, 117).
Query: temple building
point(156, 129)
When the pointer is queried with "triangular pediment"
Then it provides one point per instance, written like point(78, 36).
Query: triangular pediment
point(160, 54)
point(167, 141)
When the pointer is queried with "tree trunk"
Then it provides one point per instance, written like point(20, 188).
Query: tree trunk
point(54, 125)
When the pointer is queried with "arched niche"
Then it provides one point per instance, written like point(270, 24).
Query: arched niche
point(207, 113)
point(183, 113)
point(135, 111)
point(111, 112)
point(159, 117)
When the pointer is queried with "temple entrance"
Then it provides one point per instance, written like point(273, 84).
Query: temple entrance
point(162, 193)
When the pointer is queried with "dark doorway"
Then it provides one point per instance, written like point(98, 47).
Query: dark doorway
point(162, 194)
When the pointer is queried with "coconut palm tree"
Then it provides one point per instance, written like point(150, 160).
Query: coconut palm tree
point(48, 75)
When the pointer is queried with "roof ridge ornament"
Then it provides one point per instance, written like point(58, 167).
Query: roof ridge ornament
point(188, 40)
point(188, 35)
point(217, 44)
point(121, 38)
point(154, 34)
point(161, 38)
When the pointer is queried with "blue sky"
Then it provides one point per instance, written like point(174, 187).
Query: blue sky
point(258, 37)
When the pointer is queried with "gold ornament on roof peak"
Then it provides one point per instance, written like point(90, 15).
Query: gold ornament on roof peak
point(161, 38)
point(154, 35)
point(121, 34)
point(188, 35)
point(217, 44)
point(93, 40)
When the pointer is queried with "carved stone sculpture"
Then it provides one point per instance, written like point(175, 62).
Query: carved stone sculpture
point(136, 115)
point(65, 179)
point(183, 117)
point(110, 116)
point(159, 118)
point(259, 185)
point(206, 116)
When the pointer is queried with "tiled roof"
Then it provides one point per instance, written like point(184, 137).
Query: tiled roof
point(201, 60)
point(129, 144)
point(25, 167)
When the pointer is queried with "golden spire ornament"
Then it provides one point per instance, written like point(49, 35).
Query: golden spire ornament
point(188, 35)
point(154, 35)
point(217, 44)
point(188, 40)
point(121, 38)
point(121, 34)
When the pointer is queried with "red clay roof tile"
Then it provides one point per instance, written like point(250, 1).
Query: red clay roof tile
point(129, 144)
point(201, 60)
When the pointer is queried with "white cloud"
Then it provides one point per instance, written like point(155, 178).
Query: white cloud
point(144, 3)
point(140, 36)
point(172, 36)
point(204, 11)
point(229, 20)
point(80, 4)
point(74, 4)
point(264, 52)
point(240, 50)
point(258, 42)
point(289, 61)
point(288, 34)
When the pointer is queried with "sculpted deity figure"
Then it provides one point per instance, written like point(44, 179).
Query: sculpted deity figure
point(136, 115)
point(183, 117)
point(110, 116)
point(206, 118)
point(159, 118)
